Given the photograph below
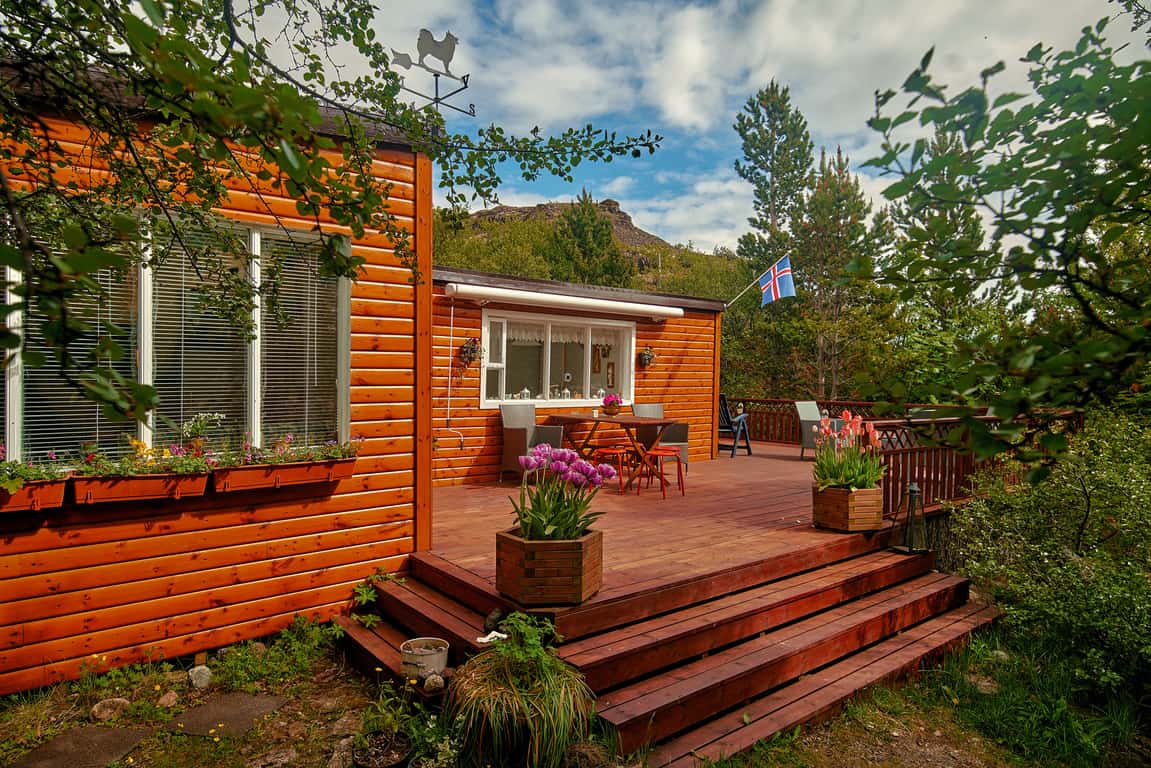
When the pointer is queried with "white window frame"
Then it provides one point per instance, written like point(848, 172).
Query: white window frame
point(14, 401)
point(625, 375)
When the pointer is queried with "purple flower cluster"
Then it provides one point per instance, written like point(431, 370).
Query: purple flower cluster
point(566, 465)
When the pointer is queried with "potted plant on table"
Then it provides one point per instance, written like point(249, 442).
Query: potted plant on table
point(612, 403)
point(552, 556)
point(846, 494)
point(24, 485)
point(285, 463)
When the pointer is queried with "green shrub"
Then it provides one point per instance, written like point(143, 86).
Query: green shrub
point(296, 649)
point(1068, 558)
point(518, 703)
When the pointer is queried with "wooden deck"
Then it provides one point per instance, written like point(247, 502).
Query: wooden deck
point(715, 604)
point(735, 511)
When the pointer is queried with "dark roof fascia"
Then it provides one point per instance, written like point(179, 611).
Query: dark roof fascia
point(490, 280)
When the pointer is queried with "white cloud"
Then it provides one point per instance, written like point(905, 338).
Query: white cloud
point(617, 186)
point(710, 212)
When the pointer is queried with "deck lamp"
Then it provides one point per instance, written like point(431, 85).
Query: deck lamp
point(915, 528)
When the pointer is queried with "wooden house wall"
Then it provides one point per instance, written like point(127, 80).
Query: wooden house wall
point(468, 443)
point(94, 586)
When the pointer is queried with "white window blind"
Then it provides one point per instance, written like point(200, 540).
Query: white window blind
point(299, 361)
point(58, 418)
point(199, 360)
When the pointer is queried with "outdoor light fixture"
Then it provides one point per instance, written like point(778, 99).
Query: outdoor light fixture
point(915, 527)
point(646, 358)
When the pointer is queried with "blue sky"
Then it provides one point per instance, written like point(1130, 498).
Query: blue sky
point(685, 69)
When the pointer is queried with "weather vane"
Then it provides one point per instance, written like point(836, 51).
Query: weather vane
point(443, 51)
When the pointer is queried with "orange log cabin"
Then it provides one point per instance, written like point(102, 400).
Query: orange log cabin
point(90, 586)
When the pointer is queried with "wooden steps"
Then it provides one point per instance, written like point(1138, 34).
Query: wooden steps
point(612, 658)
point(820, 694)
point(782, 640)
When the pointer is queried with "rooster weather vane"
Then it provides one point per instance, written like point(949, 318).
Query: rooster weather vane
point(427, 46)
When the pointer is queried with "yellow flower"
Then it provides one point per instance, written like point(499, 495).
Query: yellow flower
point(217, 738)
point(156, 687)
point(129, 761)
point(211, 731)
point(167, 453)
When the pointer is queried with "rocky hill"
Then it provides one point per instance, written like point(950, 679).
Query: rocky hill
point(627, 234)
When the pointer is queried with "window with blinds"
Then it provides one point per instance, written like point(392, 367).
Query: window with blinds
point(199, 360)
point(299, 376)
point(56, 417)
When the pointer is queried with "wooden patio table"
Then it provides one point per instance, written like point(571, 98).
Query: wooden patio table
point(629, 424)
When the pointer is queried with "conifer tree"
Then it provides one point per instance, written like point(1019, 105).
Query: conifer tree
point(582, 249)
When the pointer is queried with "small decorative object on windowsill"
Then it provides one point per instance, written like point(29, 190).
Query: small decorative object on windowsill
point(847, 470)
point(646, 358)
point(612, 403)
point(915, 526)
point(553, 557)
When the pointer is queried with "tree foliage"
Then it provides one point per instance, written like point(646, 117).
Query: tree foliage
point(1062, 176)
point(178, 99)
point(581, 248)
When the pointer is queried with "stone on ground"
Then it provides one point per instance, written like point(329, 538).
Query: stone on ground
point(109, 709)
point(89, 746)
point(229, 714)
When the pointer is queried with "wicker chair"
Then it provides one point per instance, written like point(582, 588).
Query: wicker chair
point(521, 433)
point(809, 418)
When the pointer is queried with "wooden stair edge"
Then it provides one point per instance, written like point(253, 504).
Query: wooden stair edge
point(601, 615)
point(458, 583)
point(820, 694)
point(659, 707)
point(614, 658)
point(427, 612)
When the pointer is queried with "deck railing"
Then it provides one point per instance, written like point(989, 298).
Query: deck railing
point(943, 473)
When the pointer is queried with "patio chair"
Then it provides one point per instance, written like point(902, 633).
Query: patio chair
point(521, 433)
point(733, 427)
point(809, 418)
point(675, 436)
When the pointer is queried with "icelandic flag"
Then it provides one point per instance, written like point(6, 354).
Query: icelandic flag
point(777, 282)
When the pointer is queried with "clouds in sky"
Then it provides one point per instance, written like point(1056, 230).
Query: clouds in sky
point(684, 69)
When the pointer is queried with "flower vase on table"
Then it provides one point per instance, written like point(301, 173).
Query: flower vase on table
point(552, 557)
point(845, 495)
point(611, 404)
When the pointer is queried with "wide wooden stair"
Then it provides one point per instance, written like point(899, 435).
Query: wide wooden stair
point(705, 668)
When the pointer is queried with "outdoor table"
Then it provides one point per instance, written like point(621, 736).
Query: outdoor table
point(629, 424)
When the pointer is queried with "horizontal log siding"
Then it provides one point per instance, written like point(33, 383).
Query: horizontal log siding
point(469, 446)
point(97, 586)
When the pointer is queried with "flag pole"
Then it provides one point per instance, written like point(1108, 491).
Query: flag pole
point(745, 290)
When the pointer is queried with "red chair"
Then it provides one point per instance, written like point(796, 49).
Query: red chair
point(615, 454)
point(660, 454)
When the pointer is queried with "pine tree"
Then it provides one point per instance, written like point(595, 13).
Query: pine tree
point(777, 152)
point(845, 315)
point(582, 249)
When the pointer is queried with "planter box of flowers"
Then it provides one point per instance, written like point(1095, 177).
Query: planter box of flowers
point(845, 495)
point(24, 485)
point(175, 472)
point(553, 557)
point(284, 465)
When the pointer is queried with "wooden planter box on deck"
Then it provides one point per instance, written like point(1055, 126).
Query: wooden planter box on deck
point(97, 490)
point(549, 572)
point(278, 475)
point(842, 509)
point(34, 495)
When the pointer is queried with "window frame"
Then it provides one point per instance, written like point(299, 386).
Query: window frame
point(625, 375)
point(14, 389)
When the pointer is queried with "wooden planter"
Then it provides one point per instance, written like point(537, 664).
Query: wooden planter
point(842, 509)
point(34, 495)
point(549, 572)
point(278, 475)
point(98, 490)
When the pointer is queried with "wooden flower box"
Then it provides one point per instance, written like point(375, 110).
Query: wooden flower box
point(255, 476)
point(844, 509)
point(34, 495)
point(549, 572)
point(98, 490)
